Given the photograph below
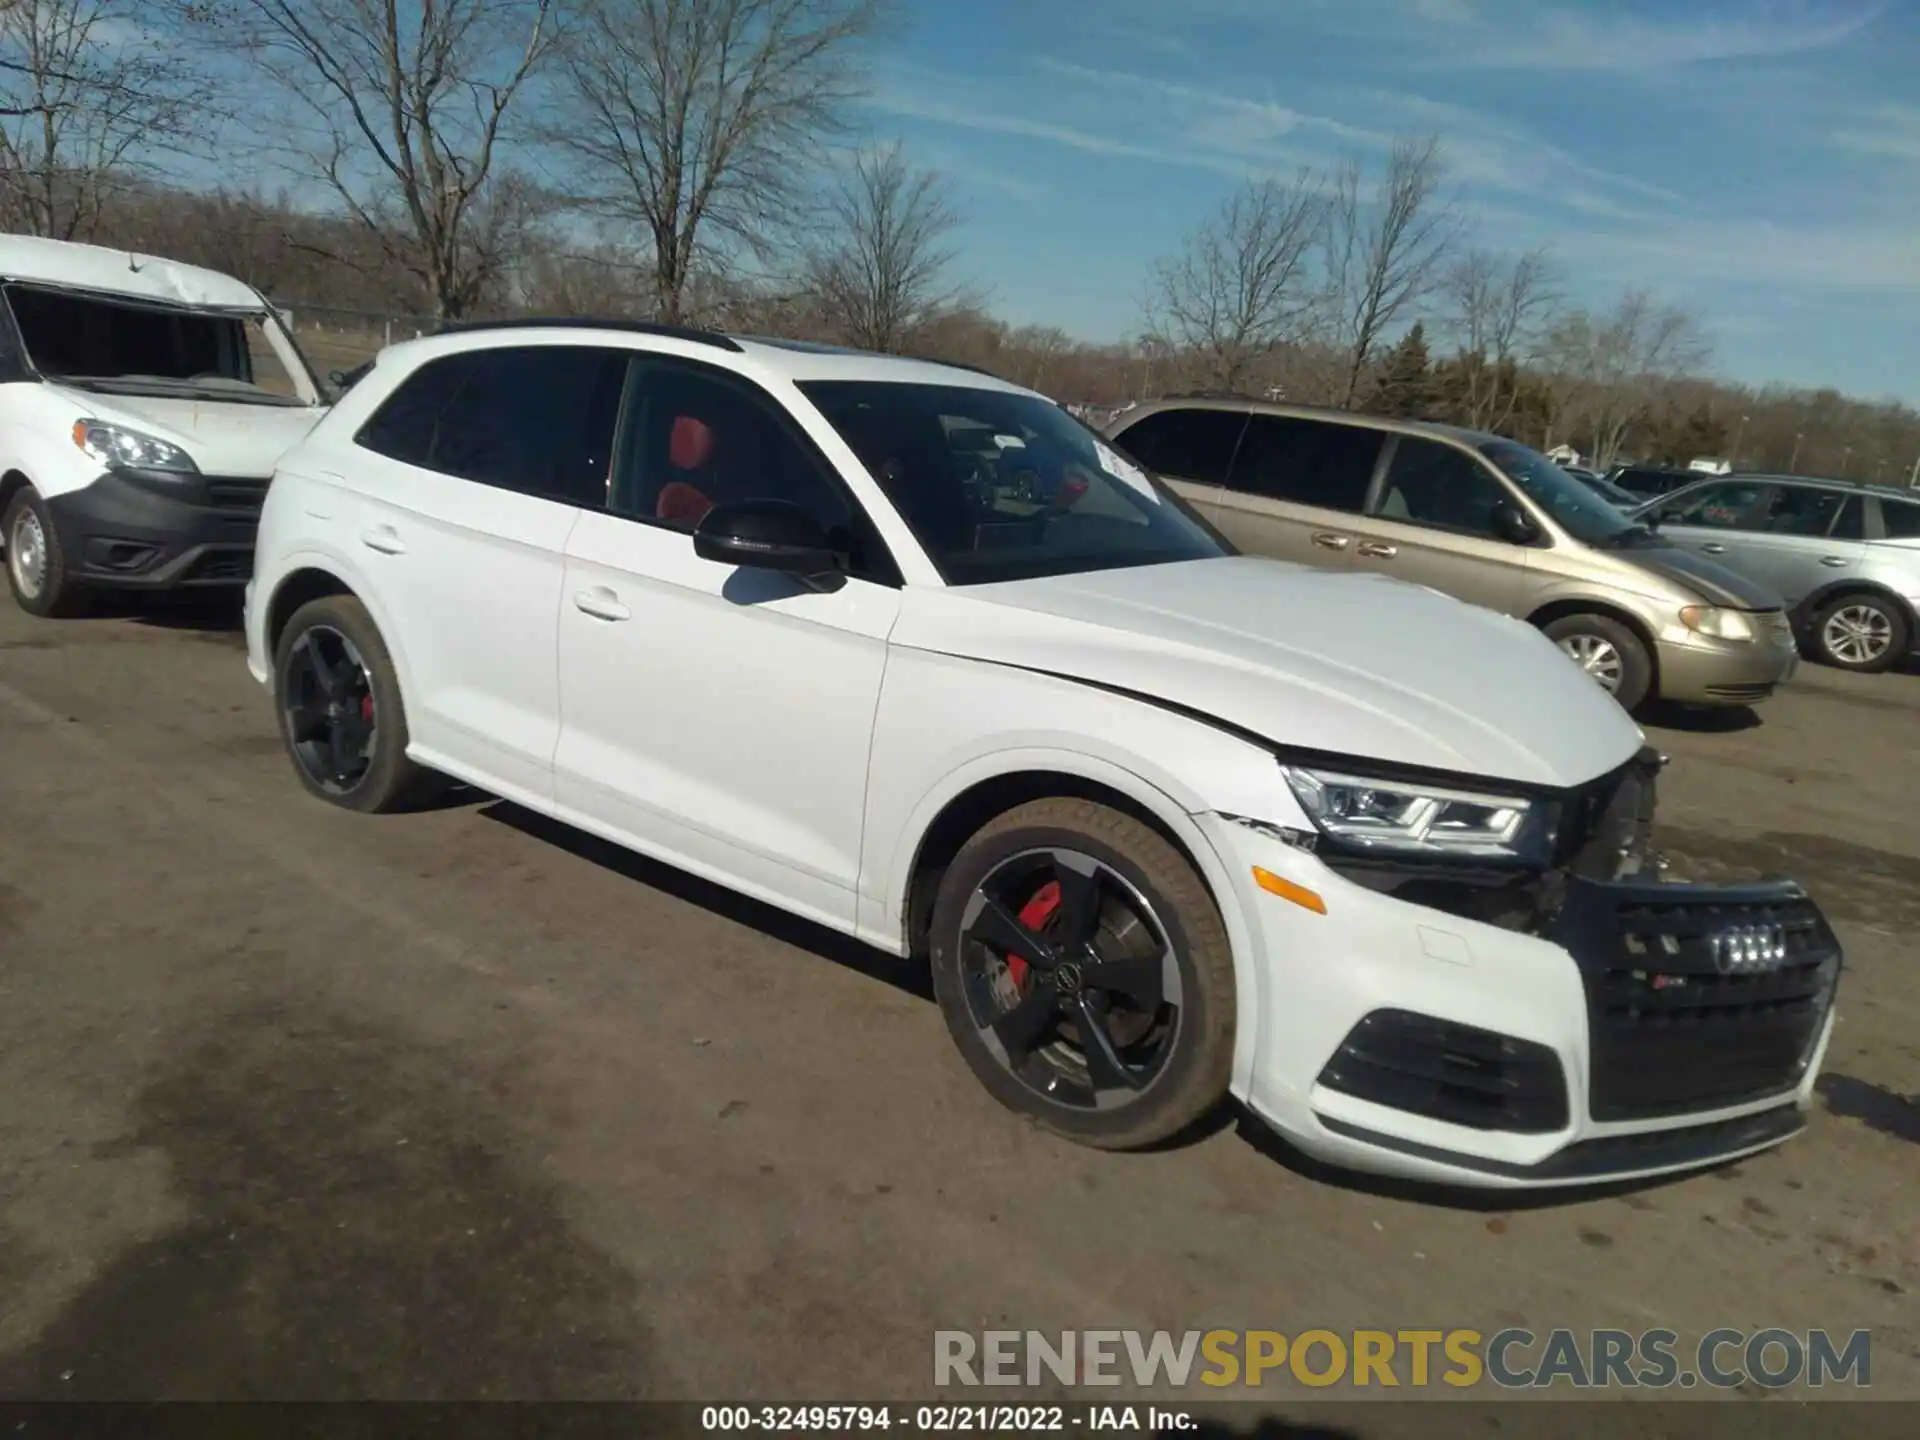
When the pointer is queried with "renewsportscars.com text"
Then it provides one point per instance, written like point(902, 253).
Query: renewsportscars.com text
point(1380, 1359)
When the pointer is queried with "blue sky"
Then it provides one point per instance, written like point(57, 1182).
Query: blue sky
point(1758, 160)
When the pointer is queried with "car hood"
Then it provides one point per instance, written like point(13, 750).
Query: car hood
point(1709, 579)
point(1356, 665)
point(224, 437)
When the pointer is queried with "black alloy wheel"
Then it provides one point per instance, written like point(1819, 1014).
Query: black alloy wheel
point(328, 706)
point(1084, 973)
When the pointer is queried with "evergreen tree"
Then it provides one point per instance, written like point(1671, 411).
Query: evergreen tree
point(1404, 384)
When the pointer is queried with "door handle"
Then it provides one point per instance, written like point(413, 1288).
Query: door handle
point(1327, 540)
point(601, 603)
point(1713, 548)
point(1838, 562)
point(1379, 549)
point(384, 539)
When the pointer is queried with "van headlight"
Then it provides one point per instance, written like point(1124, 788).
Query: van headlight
point(1399, 818)
point(119, 448)
point(1720, 624)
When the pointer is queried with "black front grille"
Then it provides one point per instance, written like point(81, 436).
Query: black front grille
point(1456, 1073)
point(228, 492)
point(1671, 1030)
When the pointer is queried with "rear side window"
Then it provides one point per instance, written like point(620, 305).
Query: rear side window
point(1803, 510)
point(1433, 484)
point(1307, 462)
point(1193, 445)
point(538, 420)
point(1902, 520)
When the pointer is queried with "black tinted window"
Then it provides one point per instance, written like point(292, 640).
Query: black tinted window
point(1186, 444)
point(1308, 462)
point(1802, 510)
point(1433, 484)
point(1648, 482)
point(538, 420)
point(1902, 520)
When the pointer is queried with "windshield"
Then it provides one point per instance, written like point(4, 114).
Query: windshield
point(127, 348)
point(1002, 486)
point(1575, 507)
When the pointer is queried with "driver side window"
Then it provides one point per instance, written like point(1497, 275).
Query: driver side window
point(697, 438)
point(1737, 506)
point(1433, 484)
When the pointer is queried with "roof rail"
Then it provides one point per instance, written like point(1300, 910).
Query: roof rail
point(583, 322)
point(956, 365)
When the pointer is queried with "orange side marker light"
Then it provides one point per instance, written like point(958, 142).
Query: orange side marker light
point(1287, 890)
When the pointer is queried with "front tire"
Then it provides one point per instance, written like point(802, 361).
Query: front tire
point(341, 715)
point(1613, 656)
point(36, 564)
point(1860, 632)
point(1084, 973)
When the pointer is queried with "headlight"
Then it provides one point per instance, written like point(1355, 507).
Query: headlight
point(124, 449)
point(1720, 624)
point(1397, 818)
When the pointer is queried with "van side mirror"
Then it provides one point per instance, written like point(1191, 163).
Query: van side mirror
point(1514, 525)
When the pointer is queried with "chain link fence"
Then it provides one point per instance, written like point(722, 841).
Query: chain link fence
point(336, 340)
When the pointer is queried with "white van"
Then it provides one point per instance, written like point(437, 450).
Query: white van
point(143, 404)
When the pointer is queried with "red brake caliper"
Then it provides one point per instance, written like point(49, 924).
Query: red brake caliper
point(366, 708)
point(1034, 915)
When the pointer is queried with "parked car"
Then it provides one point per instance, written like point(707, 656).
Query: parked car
point(1481, 518)
point(1846, 557)
point(1622, 500)
point(1646, 480)
point(142, 406)
point(1166, 822)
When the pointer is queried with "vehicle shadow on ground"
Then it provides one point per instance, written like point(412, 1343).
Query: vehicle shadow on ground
point(1718, 720)
point(1875, 1106)
point(908, 976)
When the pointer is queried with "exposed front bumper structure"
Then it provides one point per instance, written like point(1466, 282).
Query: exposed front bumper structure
point(1577, 1030)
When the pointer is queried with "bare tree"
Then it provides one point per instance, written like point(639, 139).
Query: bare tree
point(884, 275)
point(88, 99)
point(1385, 252)
point(1496, 309)
point(699, 121)
point(405, 102)
point(1610, 368)
point(1241, 288)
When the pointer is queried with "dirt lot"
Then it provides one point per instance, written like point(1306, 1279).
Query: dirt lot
point(458, 1104)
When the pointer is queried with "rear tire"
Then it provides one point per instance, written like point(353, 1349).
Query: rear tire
point(342, 718)
point(1862, 632)
point(36, 565)
point(1609, 652)
point(1124, 1037)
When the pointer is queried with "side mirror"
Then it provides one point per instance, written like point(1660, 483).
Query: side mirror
point(1514, 525)
point(767, 535)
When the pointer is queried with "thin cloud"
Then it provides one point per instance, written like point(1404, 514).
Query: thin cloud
point(1560, 38)
point(1888, 131)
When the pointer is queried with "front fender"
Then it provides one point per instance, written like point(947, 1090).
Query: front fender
point(941, 729)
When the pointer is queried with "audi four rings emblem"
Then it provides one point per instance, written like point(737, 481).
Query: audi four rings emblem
point(1747, 949)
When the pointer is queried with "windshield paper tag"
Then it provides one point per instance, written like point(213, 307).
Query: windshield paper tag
point(1124, 470)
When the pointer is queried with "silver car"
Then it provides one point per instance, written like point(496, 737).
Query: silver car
point(1845, 556)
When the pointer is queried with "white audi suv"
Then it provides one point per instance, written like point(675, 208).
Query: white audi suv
point(914, 653)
